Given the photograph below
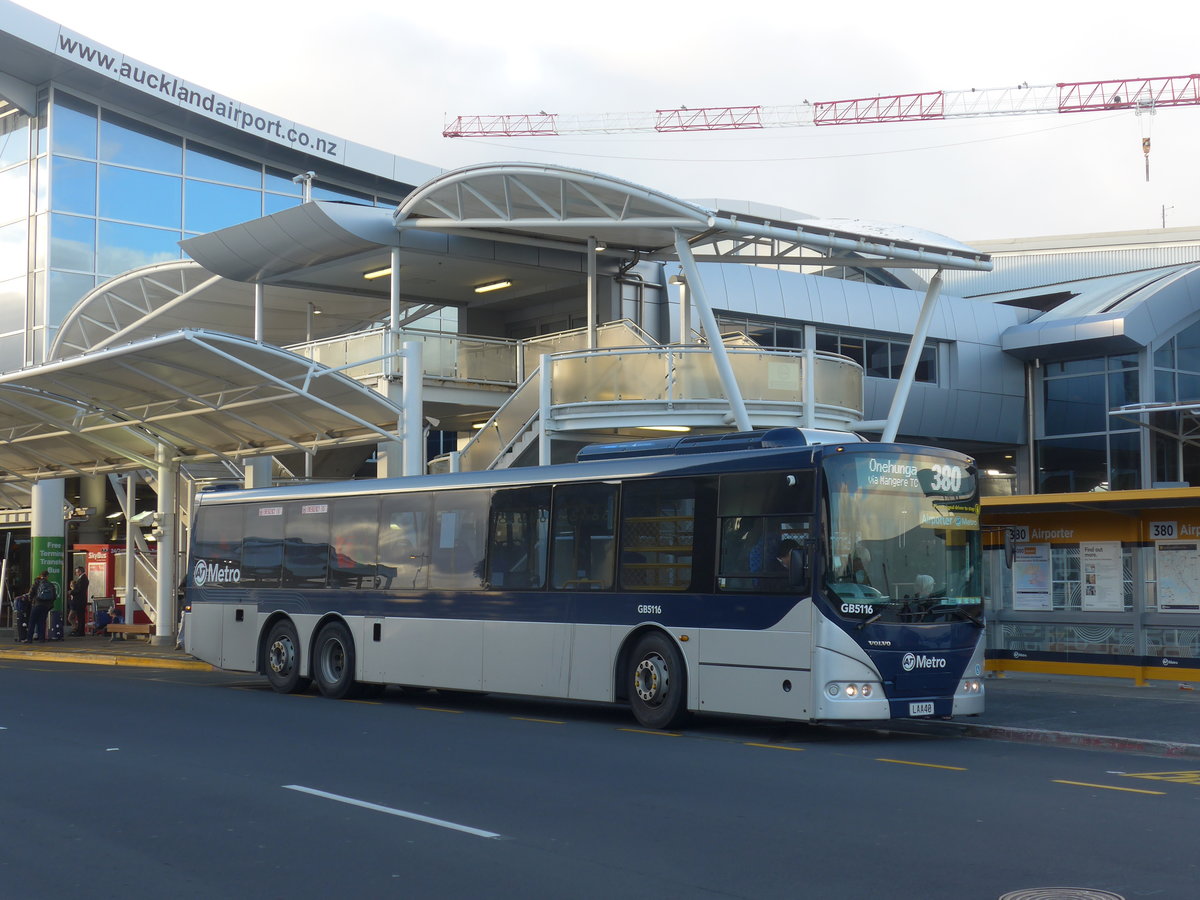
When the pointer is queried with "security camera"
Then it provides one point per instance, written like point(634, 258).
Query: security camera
point(300, 179)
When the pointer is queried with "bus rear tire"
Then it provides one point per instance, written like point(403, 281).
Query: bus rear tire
point(333, 662)
point(283, 659)
point(657, 683)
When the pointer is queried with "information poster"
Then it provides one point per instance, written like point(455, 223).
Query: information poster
point(1031, 577)
point(1103, 576)
point(1178, 565)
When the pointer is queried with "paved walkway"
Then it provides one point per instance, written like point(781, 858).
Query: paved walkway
point(1160, 719)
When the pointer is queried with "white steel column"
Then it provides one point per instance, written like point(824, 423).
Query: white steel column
point(908, 373)
point(810, 377)
point(394, 296)
point(258, 311)
point(133, 537)
point(715, 345)
point(164, 531)
point(414, 409)
point(685, 309)
point(591, 293)
point(544, 396)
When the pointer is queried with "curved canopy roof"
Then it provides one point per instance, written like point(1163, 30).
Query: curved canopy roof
point(201, 395)
point(523, 199)
point(167, 297)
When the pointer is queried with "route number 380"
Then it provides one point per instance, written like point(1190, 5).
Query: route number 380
point(946, 479)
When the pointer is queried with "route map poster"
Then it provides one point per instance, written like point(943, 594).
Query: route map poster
point(1103, 576)
point(1178, 566)
point(1031, 577)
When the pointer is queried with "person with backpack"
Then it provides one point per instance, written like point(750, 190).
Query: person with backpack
point(42, 594)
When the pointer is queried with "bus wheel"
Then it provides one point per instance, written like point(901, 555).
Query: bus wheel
point(333, 662)
point(658, 683)
point(283, 659)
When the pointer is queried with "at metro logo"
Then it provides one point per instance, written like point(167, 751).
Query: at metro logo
point(913, 661)
point(205, 572)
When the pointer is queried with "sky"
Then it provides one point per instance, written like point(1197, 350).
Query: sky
point(391, 74)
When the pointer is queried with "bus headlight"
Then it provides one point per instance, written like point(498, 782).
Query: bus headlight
point(971, 686)
point(851, 691)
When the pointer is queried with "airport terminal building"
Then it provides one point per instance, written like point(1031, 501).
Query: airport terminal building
point(194, 291)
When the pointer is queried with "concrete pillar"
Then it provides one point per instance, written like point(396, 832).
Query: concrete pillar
point(164, 531)
point(257, 472)
point(92, 496)
point(47, 551)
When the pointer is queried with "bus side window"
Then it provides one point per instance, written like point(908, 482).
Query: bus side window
point(658, 527)
point(306, 543)
point(459, 532)
point(584, 545)
point(262, 548)
point(404, 541)
point(353, 524)
point(218, 541)
point(517, 541)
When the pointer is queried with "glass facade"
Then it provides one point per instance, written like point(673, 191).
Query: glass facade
point(1080, 447)
point(880, 358)
point(1176, 380)
point(87, 192)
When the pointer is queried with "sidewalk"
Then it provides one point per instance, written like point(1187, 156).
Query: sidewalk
point(101, 651)
point(1159, 719)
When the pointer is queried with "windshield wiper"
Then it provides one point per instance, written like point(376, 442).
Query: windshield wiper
point(865, 622)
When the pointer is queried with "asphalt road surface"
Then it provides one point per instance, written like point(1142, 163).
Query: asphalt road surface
point(143, 783)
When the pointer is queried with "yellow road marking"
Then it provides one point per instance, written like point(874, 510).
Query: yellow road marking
point(542, 721)
point(456, 712)
point(1108, 787)
point(1177, 777)
point(775, 747)
point(647, 731)
point(905, 762)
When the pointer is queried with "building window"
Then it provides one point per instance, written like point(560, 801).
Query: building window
point(1081, 447)
point(881, 358)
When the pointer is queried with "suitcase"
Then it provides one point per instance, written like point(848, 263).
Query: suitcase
point(22, 626)
point(56, 626)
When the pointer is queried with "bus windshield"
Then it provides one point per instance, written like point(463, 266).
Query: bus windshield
point(903, 537)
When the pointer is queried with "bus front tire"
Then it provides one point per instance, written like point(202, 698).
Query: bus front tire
point(283, 659)
point(333, 662)
point(657, 683)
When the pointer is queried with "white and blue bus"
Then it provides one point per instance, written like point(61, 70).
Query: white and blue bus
point(789, 574)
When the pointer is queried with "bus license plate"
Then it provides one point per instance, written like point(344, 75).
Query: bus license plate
point(920, 709)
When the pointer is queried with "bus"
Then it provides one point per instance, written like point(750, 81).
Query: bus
point(790, 573)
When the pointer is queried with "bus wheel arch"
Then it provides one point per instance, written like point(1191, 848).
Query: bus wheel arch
point(652, 677)
point(280, 657)
point(334, 659)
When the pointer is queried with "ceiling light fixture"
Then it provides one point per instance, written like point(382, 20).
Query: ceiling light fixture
point(493, 286)
point(680, 428)
point(377, 273)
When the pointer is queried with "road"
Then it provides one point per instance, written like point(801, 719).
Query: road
point(139, 783)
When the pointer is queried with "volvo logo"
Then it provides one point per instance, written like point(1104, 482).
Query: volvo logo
point(911, 661)
point(204, 572)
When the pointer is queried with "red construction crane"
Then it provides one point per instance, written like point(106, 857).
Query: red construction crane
point(1140, 94)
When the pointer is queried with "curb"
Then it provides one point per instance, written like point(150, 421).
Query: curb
point(102, 659)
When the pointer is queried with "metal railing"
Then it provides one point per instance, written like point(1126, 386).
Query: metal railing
point(370, 355)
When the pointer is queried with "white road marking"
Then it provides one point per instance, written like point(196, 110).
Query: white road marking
point(416, 817)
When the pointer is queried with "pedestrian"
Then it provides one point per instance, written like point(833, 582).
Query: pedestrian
point(42, 594)
point(79, 600)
